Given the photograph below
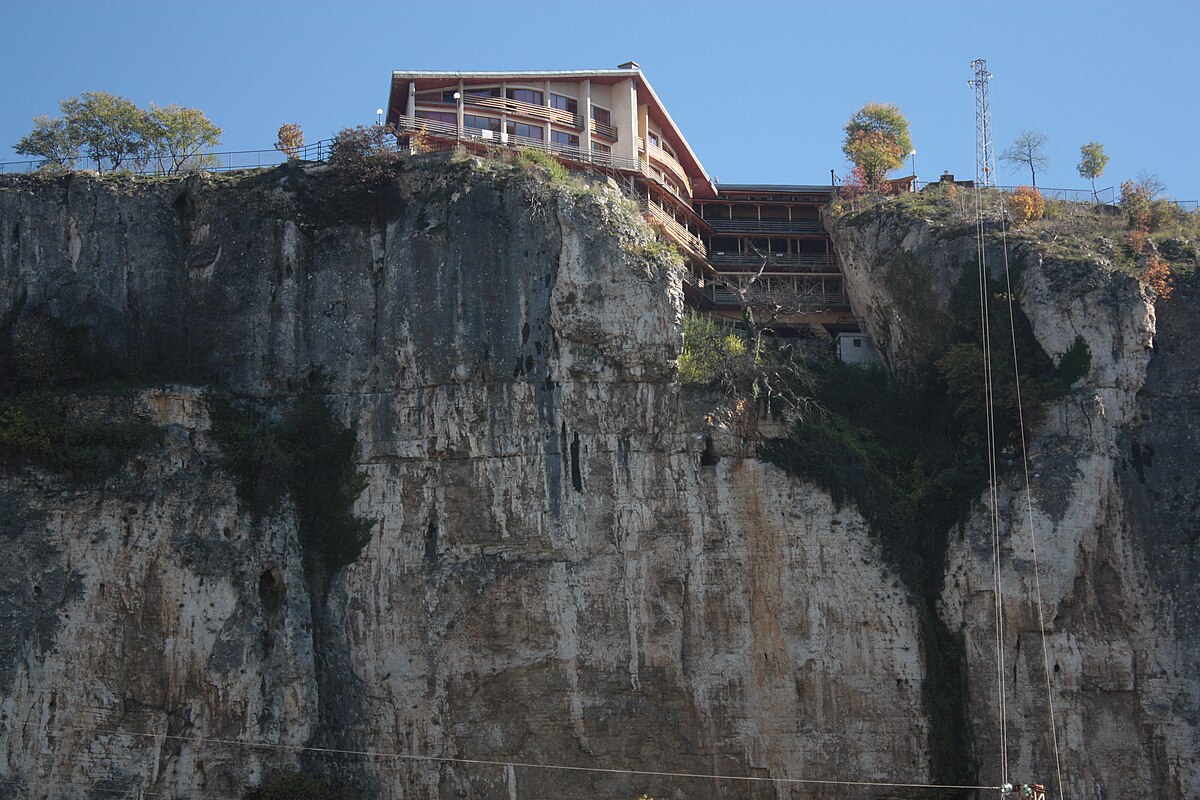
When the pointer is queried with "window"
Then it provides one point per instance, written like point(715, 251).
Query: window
point(653, 137)
point(564, 138)
point(441, 96)
point(528, 131)
point(564, 103)
point(858, 342)
point(532, 96)
point(667, 149)
point(485, 91)
point(601, 115)
point(597, 147)
point(439, 116)
point(481, 123)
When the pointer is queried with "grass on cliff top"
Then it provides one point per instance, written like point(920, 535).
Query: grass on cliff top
point(1070, 231)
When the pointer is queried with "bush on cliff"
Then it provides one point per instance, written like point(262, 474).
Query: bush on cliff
point(305, 455)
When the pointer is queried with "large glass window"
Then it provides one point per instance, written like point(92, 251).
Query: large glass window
point(481, 123)
point(564, 138)
point(601, 115)
point(532, 96)
point(653, 137)
point(564, 103)
point(597, 147)
point(484, 91)
point(440, 96)
point(528, 131)
point(439, 116)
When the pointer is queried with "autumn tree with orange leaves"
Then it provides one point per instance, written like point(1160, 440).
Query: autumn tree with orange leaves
point(877, 141)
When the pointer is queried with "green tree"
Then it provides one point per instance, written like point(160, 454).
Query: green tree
point(877, 140)
point(1092, 162)
point(178, 137)
point(53, 140)
point(1028, 150)
point(111, 129)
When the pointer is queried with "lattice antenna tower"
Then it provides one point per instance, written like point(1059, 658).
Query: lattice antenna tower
point(985, 152)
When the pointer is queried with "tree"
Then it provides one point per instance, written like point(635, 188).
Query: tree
point(1028, 151)
point(1092, 162)
point(52, 139)
point(111, 129)
point(179, 136)
point(290, 139)
point(877, 140)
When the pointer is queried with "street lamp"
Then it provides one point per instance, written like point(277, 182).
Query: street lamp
point(912, 155)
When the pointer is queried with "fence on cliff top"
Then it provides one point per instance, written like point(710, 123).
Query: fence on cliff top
point(233, 160)
point(228, 161)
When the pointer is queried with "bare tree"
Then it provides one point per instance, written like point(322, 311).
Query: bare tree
point(1028, 151)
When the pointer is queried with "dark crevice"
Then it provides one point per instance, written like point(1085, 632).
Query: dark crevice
point(576, 474)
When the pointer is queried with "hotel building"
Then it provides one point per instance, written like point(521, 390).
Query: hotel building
point(762, 244)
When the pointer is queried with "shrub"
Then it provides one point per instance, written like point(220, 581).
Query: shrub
point(39, 429)
point(536, 160)
point(294, 786)
point(1157, 277)
point(305, 455)
point(709, 351)
point(1027, 205)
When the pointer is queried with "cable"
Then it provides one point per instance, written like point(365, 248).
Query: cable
point(1037, 579)
point(383, 755)
point(993, 496)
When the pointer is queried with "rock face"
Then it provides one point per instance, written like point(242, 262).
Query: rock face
point(1114, 514)
point(553, 577)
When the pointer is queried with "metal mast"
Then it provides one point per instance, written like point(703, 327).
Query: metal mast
point(985, 153)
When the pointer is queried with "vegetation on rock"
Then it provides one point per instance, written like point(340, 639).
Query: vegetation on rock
point(303, 454)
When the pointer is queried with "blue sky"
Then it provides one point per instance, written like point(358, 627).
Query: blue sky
point(761, 89)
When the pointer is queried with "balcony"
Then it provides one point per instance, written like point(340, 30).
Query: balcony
point(802, 226)
point(679, 234)
point(789, 291)
point(665, 159)
point(605, 130)
point(506, 106)
point(448, 134)
point(749, 262)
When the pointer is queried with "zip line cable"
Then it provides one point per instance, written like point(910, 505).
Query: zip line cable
point(1037, 579)
point(384, 755)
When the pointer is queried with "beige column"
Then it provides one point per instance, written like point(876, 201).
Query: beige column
point(585, 107)
point(503, 107)
point(546, 103)
point(410, 110)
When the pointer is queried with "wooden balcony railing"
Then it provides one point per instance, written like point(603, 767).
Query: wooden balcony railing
point(663, 158)
point(722, 225)
point(522, 109)
point(680, 234)
point(786, 290)
point(446, 131)
point(806, 262)
point(605, 130)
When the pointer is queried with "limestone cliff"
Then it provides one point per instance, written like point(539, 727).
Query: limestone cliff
point(553, 576)
point(1115, 525)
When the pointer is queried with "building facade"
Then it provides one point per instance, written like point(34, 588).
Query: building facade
point(757, 245)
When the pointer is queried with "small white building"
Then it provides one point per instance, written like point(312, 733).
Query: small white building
point(856, 348)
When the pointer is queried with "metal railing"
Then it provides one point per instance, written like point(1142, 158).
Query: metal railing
point(667, 160)
point(226, 161)
point(1107, 195)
